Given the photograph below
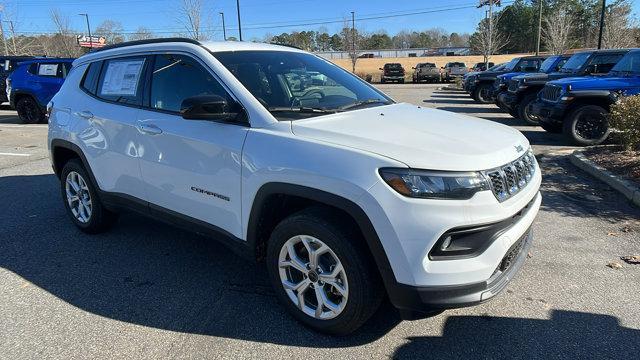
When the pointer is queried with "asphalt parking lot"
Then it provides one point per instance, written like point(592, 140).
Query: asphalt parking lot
point(147, 290)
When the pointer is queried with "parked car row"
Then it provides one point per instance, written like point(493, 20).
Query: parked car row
point(563, 94)
point(428, 72)
point(31, 83)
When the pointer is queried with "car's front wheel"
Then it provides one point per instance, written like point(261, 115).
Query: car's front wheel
point(524, 109)
point(81, 199)
point(482, 94)
point(587, 125)
point(28, 111)
point(320, 272)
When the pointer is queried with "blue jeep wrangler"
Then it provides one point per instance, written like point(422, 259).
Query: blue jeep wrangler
point(481, 84)
point(33, 83)
point(523, 90)
point(579, 107)
point(501, 86)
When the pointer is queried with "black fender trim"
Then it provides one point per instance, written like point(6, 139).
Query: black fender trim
point(361, 218)
point(65, 144)
point(15, 93)
point(590, 93)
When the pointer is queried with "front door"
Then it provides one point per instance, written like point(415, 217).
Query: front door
point(192, 167)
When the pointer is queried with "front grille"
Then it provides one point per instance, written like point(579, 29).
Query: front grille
point(551, 93)
point(513, 85)
point(509, 179)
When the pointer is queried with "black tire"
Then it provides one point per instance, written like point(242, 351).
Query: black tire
point(482, 94)
point(382, 81)
point(524, 109)
point(514, 113)
point(100, 218)
point(29, 112)
point(587, 125)
point(365, 291)
point(551, 128)
point(401, 81)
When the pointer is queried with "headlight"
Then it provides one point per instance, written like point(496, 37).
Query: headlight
point(435, 184)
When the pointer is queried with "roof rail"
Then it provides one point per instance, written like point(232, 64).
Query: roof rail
point(147, 41)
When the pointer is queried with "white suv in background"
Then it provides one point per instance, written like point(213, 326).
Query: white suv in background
point(343, 194)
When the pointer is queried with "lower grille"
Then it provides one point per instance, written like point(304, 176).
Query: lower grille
point(551, 93)
point(509, 179)
point(513, 85)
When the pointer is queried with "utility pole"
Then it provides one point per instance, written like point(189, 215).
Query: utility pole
point(604, 6)
point(239, 26)
point(490, 37)
point(353, 40)
point(86, 16)
point(224, 30)
point(539, 26)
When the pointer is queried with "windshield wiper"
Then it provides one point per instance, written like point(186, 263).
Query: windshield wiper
point(364, 102)
point(302, 109)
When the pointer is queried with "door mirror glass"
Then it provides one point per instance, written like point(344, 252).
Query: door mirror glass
point(210, 107)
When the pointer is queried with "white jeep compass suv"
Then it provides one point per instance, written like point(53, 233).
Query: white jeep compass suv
point(344, 195)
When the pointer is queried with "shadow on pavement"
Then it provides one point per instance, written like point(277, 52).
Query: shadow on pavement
point(151, 274)
point(566, 334)
point(10, 119)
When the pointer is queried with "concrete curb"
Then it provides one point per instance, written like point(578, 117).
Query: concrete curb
point(628, 189)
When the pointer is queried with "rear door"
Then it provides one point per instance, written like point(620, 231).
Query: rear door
point(190, 167)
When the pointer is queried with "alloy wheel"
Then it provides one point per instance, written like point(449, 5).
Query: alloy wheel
point(313, 277)
point(78, 197)
point(590, 125)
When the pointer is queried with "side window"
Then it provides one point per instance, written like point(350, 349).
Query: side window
point(90, 80)
point(177, 77)
point(121, 80)
point(33, 69)
point(528, 65)
point(604, 62)
point(50, 70)
point(560, 64)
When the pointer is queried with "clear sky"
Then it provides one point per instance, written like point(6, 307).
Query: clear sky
point(259, 17)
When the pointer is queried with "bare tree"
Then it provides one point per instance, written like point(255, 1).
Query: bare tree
point(350, 41)
point(111, 30)
point(488, 39)
point(190, 15)
point(619, 26)
point(63, 42)
point(142, 33)
point(557, 29)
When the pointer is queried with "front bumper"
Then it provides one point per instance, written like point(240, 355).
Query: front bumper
point(412, 301)
point(507, 101)
point(550, 113)
point(392, 77)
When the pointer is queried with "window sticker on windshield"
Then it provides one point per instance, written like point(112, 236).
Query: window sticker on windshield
point(121, 77)
point(48, 69)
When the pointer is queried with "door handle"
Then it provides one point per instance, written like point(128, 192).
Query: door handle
point(85, 114)
point(149, 129)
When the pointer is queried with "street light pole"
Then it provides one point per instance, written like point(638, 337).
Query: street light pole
point(539, 26)
point(86, 16)
point(604, 5)
point(239, 25)
point(224, 30)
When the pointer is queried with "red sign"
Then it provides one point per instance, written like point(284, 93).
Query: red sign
point(93, 42)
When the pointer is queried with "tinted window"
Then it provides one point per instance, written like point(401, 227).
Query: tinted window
point(177, 77)
point(575, 62)
point(121, 80)
point(90, 81)
point(33, 69)
point(392, 66)
point(605, 62)
point(548, 64)
point(528, 65)
point(630, 63)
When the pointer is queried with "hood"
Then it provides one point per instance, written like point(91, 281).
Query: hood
point(596, 83)
point(509, 76)
point(419, 137)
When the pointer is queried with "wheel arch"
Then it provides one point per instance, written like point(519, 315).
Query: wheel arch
point(263, 218)
point(601, 101)
point(62, 151)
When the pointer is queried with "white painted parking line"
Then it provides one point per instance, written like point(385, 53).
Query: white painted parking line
point(13, 154)
point(22, 126)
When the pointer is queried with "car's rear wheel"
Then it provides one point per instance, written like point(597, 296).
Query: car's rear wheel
point(482, 94)
point(28, 111)
point(320, 272)
point(587, 125)
point(81, 199)
point(524, 109)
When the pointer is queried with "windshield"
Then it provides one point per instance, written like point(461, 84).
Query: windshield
point(630, 63)
point(497, 67)
point(548, 64)
point(511, 64)
point(293, 85)
point(575, 62)
point(458, 64)
point(393, 66)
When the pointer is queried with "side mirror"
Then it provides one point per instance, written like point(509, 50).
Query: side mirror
point(210, 107)
point(380, 69)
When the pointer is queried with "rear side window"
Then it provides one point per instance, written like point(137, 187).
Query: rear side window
point(121, 80)
point(90, 80)
point(605, 62)
point(177, 77)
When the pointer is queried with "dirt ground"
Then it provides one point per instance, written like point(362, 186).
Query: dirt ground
point(617, 160)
